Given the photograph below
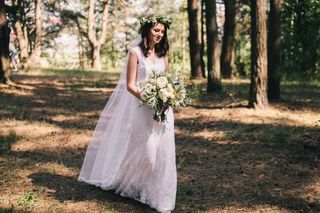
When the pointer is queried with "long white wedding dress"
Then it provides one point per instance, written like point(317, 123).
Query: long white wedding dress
point(130, 152)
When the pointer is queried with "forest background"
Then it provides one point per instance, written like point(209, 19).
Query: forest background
point(250, 143)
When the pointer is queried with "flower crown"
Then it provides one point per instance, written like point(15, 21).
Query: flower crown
point(155, 19)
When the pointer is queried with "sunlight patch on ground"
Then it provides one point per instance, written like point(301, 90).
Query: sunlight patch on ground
point(259, 116)
point(55, 168)
point(91, 89)
point(24, 91)
point(62, 139)
point(217, 136)
point(255, 209)
point(29, 130)
point(61, 118)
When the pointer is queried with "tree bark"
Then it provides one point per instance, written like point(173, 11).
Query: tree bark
point(213, 53)
point(258, 87)
point(274, 46)
point(4, 45)
point(23, 44)
point(93, 39)
point(184, 46)
point(195, 57)
point(202, 47)
point(34, 59)
point(227, 54)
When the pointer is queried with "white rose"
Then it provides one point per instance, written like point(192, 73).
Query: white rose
point(163, 94)
point(170, 88)
point(162, 82)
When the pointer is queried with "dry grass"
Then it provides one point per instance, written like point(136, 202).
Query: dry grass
point(230, 158)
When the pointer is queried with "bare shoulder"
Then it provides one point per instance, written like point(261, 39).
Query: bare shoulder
point(133, 55)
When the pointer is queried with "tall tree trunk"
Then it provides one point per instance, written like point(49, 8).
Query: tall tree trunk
point(274, 46)
point(94, 41)
point(35, 57)
point(258, 87)
point(23, 44)
point(184, 55)
point(227, 54)
point(4, 45)
point(214, 77)
point(203, 66)
point(81, 46)
point(195, 57)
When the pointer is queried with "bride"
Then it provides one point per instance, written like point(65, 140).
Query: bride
point(130, 152)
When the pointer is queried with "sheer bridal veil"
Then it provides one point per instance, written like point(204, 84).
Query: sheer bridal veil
point(111, 135)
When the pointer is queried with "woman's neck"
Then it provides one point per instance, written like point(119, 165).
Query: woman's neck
point(151, 49)
point(152, 46)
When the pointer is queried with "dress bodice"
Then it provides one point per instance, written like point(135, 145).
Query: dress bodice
point(146, 65)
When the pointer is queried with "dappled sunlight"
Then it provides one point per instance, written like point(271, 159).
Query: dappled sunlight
point(61, 118)
point(251, 209)
point(229, 158)
point(58, 140)
point(29, 130)
point(236, 81)
point(23, 91)
point(102, 90)
point(216, 136)
point(256, 116)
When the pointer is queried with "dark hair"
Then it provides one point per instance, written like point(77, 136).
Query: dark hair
point(161, 48)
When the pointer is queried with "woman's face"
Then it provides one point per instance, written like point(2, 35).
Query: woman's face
point(156, 33)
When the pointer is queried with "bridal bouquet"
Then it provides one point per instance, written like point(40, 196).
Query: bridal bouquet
point(161, 91)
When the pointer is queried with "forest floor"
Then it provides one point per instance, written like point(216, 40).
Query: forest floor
point(229, 158)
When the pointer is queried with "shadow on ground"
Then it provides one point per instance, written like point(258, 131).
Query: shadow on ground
point(64, 188)
point(239, 165)
point(251, 165)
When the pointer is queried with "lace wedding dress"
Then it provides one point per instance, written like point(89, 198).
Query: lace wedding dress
point(130, 152)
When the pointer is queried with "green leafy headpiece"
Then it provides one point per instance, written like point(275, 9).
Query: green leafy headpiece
point(155, 19)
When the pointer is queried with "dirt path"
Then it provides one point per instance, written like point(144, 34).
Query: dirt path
point(230, 158)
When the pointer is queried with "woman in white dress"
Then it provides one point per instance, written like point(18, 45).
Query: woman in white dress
point(130, 152)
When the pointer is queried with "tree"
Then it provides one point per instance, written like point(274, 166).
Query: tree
point(195, 57)
point(18, 20)
point(274, 53)
point(214, 77)
point(227, 53)
point(94, 40)
point(4, 45)
point(258, 87)
point(301, 44)
point(202, 49)
point(35, 57)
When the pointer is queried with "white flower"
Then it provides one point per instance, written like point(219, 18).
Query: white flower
point(162, 81)
point(148, 90)
point(164, 94)
point(143, 95)
point(170, 89)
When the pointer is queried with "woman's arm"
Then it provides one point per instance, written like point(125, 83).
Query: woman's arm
point(132, 74)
